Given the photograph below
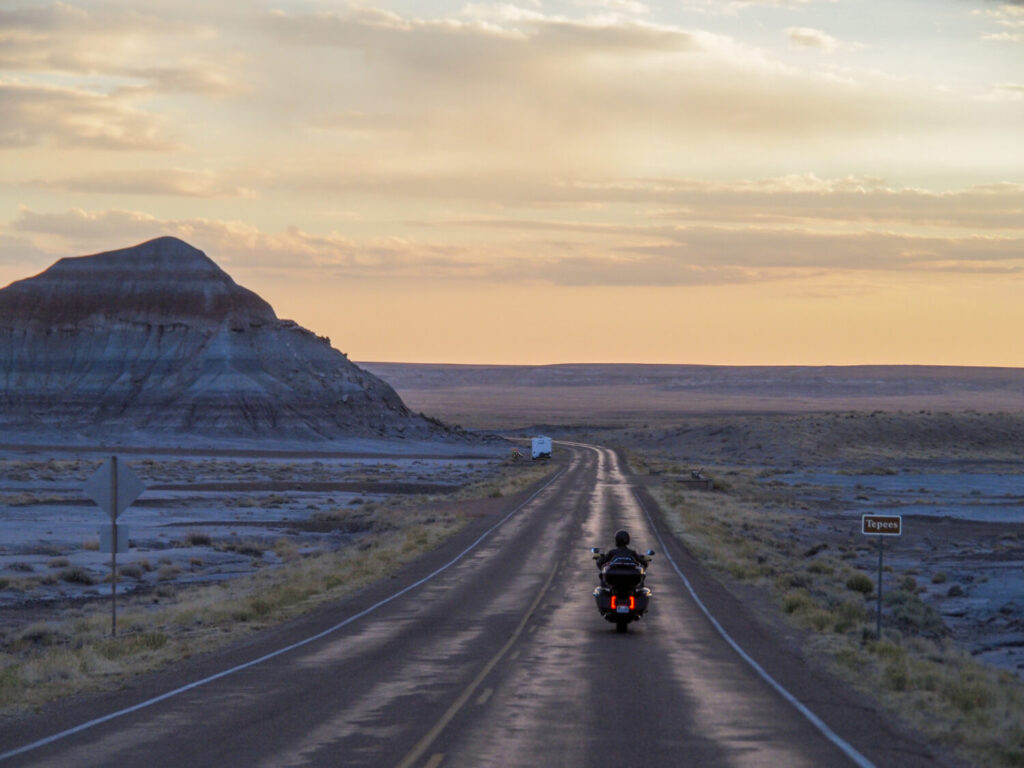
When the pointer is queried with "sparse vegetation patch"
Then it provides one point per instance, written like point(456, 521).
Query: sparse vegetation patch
point(363, 542)
point(914, 670)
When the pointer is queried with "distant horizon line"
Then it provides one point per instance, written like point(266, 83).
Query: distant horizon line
point(698, 365)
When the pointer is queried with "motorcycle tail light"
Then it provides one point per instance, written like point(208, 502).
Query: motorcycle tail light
point(632, 603)
point(613, 602)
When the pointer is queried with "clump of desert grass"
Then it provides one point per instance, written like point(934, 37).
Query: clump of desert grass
point(78, 653)
point(26, 499)
point(197, 539)
point(515, 476)
point(253, 548)
point(77, 575)
point(914, 670)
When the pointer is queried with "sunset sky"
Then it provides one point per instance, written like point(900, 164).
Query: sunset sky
point(686, 181)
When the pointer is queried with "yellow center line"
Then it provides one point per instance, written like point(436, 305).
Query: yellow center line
point(435, 760)
point(424, 744)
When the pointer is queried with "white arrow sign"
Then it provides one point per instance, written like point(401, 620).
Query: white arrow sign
point(100, 488)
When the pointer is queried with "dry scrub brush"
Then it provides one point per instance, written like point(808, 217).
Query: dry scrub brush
point(77, 653)
point(914, 670)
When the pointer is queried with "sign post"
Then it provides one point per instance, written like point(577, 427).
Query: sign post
point(114, 487)
point(880, 526)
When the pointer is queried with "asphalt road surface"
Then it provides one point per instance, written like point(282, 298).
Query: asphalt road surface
point(490, 652)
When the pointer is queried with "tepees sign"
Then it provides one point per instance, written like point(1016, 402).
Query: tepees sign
point(881, 525)
point(541, 447)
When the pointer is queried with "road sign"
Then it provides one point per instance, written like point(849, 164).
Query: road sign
point(881, 525)
point(107, 535)
point(114, 486)
point(100, 489)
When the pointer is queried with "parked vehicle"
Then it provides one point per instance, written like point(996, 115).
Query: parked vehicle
point(541, 447)
point(622, 597)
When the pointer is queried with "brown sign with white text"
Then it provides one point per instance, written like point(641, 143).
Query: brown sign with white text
point(882, 525)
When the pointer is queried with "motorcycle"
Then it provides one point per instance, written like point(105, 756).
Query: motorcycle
point(622, 597)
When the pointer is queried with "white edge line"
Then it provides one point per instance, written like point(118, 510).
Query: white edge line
point(816, 721)
point(183, 689)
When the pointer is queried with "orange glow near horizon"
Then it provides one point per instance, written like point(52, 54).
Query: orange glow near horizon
point(726, 325)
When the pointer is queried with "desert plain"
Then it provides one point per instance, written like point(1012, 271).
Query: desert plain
point(812, 448)
point(795, 458)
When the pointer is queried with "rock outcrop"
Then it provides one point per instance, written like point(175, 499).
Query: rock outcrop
point(157, 338)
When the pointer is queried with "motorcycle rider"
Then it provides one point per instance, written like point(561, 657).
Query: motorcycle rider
point(622, 550)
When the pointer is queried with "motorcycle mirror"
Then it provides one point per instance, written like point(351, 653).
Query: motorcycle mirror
point(650, 553)
point(595, 550)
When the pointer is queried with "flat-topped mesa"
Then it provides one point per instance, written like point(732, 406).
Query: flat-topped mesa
point(158, 338)
point(161, 281)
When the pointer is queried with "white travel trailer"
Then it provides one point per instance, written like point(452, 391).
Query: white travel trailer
point(541, 447)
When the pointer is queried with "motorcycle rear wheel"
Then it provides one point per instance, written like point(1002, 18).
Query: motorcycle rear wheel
point(621, 626)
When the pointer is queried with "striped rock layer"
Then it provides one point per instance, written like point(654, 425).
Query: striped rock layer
point(158, 338)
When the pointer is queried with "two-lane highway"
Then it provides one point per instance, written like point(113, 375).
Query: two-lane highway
point(668, 692)
point(495, 657)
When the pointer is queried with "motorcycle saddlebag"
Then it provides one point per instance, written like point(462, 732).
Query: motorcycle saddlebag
point(603, 597)
point(643, 597)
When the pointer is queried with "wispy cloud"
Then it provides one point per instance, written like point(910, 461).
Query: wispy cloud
point(1007, 92)
point(806, 37)
point(84, 63)
point(22, 251)
point(792, 200)
point(180, 182)
point(736, 6)
point(71, 38)
point(84, 228)
point(1005, 37)
point(624, 6)
point(235, 242)
point(63, 116)
point(508, 91)
point(1010, 17)
point(643, 254)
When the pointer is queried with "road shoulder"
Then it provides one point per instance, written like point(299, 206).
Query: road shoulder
point(780, 649)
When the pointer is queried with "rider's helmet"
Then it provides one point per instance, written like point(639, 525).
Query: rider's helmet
point(621, 538)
